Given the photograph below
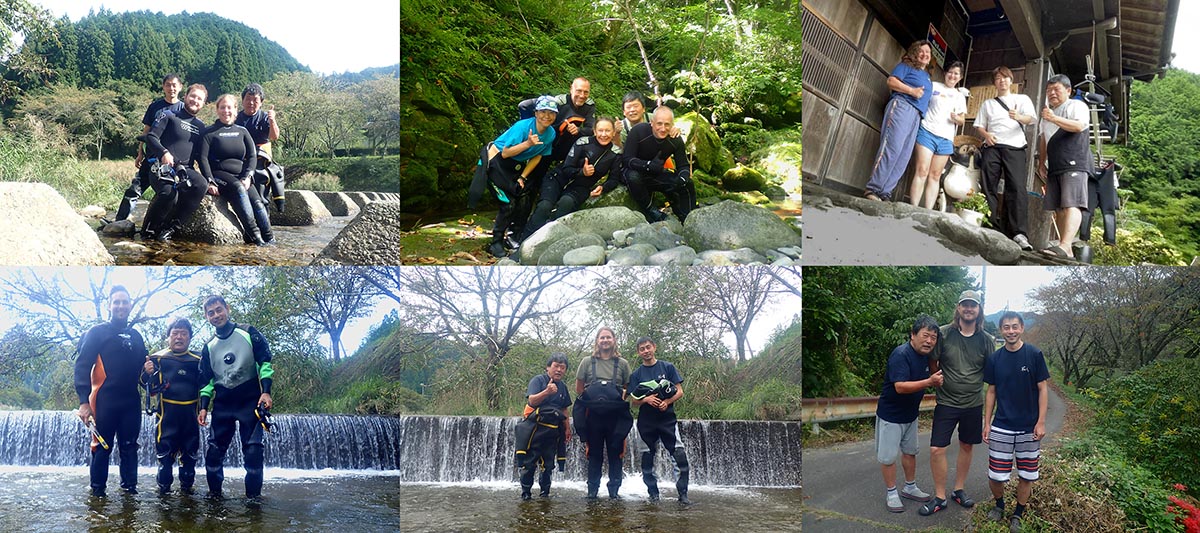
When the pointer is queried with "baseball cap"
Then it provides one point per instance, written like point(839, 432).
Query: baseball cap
point(546, 103)
point(969, 295)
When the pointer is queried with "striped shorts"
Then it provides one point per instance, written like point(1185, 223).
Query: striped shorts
point(1005, 446)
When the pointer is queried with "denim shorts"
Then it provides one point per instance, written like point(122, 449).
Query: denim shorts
point(938, 145)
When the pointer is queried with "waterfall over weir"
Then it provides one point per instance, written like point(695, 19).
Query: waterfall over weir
point(295, 441)
point(733, 452)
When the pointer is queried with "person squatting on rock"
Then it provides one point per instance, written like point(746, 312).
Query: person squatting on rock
point(505, 165)
point(904, 384)
point(601, 412)
point(173, 375)
point(1018, 394)
point(171, 85)
point(227, 159)
point(1001, 122)
point(566, 187)
point(1065, 156)
point(264, 129)
point(653, 160)
point(911, 90)
point(107, 366)
point(174, 140)
point(655, 386)
point(544, 429)
point(235, 374)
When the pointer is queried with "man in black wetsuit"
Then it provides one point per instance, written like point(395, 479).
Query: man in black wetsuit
point(235, 371)
point(264, 129)
point(171, 85)
point(173, 140)
point(655, 386)
point(545, 427)
point(173, 374)
point(655, 161)
point(107, 366)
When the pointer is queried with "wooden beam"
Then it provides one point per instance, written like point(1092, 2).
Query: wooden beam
point(1025, 17)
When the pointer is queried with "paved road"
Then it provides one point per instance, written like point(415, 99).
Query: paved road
point(843, 488)
point(841, 236)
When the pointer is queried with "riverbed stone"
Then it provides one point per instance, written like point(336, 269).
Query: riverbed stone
point(658, 236)
point(534, 245)
point(672, 224)
point(553, 256)
point(616, 197)
point(338, 204)
point(679, 255)
point(586, 256)
point(120, 227)
point(602, 221)
point(92, 211)
point(743, 179)
point(732, 225)
point(372, 238)
point(631, 256)
point(303, 208)
point(43, 229)
point(741, 256)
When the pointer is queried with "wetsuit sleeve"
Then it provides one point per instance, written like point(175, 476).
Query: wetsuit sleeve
point(262, 358)
point(206, 379)
point(632, 143)
point(683, 168)
point(251, 160)
point(202, 156)
point(589, 122)
point(572, 166)
point(154, 136)
point(89, 348)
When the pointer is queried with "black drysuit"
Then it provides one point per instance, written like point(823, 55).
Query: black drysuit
point(176, 382)
point(107, 367)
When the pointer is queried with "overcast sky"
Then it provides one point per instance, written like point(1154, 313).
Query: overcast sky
point(1186, 45)
point(1009, 286)
point(332, 38)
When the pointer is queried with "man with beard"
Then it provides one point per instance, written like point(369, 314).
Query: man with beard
point(960, 357)
point(1017, 374)
point(904, 384)
point(655, 387)
point(109, 362)
point(175, 140)
point(601, 413)
point(544, 429)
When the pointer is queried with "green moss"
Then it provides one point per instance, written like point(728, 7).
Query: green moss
point(704, 144)
point(740, 179)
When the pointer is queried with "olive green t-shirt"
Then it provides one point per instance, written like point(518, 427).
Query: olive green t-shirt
point(961, 361)
point(604, 371)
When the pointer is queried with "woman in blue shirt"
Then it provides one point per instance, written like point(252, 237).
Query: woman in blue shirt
point(911, 88)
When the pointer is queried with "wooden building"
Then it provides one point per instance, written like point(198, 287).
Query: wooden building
point(851, 46)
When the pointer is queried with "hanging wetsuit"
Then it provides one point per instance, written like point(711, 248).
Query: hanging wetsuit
point(228, 156)
point(566, 188)
point(602, 419)
point(653, 164)
point(660, 379)
point(141, 182)
point(175, 201)
point(541, 435)
point(107, 367)
point(268, 175)
point(235, 370)
point(176, 382)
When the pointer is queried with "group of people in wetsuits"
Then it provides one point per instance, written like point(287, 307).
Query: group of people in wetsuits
point(184, 159)
point(519, 169)
point(605, 386)
point(230, 377)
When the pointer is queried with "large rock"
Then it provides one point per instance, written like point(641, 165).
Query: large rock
point(338, 204)
point(704, 144)
point(553, 256)
point(303, 209)
point(212, 223)
point(742, 179)
point(372, 238)
point(616, 197)
point(732, 225)
point(660, 237)
point(41, 229)
point(438, 148)
point(534, 245)
point(632, 256)
point(359, 198)
point(602, 221)
point(741, 256)
point(586, 256)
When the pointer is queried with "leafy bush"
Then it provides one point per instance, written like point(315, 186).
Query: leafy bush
point(1100, 467)
point(20, 397)
point(316, 182)
point(773, 399)
point(1137, 242)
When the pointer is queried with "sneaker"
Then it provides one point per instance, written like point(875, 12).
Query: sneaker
point(1023, 242)
point(935, 505)
point(511, 243)
point(1014, 524)
point(996, 514)
point(915, 494)
point(893, 502)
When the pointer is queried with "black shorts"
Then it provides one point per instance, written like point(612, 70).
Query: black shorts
point(969, 422)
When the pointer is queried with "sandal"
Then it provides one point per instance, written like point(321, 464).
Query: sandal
point(962, 499)
point(934, 505)
point(1055, 251)
point(871, 196)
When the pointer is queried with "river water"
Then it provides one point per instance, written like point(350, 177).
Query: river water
point(294, 245)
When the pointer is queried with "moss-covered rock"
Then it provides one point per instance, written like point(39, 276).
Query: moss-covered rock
point(749, 197)
point(616, 197)
point(437, 147)
point(704, 144)
point(740, 179)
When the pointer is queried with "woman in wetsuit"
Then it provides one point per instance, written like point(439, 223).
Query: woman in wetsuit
point(574, 181)
point(227, 159)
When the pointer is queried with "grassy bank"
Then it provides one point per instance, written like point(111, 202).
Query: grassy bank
point(82, 183)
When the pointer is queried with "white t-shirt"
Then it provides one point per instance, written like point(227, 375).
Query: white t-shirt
point(995, 120)
point(1071, 110)
point(942, 104)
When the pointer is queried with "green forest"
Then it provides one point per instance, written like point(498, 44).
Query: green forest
point(299, 311)
point(1123, 346)
point(470, 339)
point(74, 94)
point(735, 64)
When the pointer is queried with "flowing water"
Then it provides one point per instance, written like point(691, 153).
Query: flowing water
point(323, 473)
point(294, 245)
